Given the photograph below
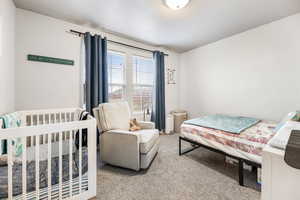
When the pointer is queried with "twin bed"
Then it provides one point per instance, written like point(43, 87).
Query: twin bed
point(246, 146)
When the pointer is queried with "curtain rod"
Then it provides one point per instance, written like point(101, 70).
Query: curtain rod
point(120, 43)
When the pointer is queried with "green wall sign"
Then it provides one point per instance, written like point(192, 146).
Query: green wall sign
point(50, 60)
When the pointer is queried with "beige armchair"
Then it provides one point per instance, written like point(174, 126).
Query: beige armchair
point(121, 147)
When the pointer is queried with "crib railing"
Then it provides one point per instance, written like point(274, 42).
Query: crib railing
point(42, 117)
point(44, 129)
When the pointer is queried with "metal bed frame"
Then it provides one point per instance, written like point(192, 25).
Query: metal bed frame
point(196, 145)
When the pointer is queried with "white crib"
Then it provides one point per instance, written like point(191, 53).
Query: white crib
point(44, 135)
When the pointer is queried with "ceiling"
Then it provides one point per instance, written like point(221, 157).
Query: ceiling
point(150, 21)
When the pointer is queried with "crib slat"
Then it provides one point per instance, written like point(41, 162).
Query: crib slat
point(60, 164)
point(24, 167)
point(32, 137)
point(31, 120)
point(49, 165)
point(44, 123)
point(71, 163)
point(62, 121)
point(80, 160)
point(45, 139)
point(37, 166)
point(55, 122)
point(9, 165)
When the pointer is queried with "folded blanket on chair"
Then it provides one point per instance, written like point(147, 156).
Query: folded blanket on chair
point(223, 122)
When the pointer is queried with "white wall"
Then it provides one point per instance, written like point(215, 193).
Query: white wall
point(255, 73)
point(7, 56)
point(42, 85)
point(172, 90)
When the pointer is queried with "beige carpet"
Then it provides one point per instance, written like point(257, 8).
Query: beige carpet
point(199, 175)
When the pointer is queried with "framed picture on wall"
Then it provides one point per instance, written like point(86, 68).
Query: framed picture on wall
point(171, 76)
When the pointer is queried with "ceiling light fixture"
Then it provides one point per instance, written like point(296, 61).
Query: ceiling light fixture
point(176, 4)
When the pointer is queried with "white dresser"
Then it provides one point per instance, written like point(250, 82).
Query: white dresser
point(279, 180)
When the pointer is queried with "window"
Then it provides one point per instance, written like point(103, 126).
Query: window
point(143, 80)
point(116, 76)
point(131, 78)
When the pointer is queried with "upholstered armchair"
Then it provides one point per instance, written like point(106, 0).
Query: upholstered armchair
point(121, 147)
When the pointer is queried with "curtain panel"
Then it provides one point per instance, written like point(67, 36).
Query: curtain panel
point(96, 72)
point(159, 106)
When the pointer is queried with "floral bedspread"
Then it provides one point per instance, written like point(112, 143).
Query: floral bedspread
point(248, 144)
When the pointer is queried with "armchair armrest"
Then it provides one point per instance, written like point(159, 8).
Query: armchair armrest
point(146, 125)
point(121, 148)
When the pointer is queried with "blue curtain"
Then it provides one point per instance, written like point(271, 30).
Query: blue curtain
point(159, 106)
point(96, 73)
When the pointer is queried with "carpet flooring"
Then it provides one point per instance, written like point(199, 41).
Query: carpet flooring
point(199, 175)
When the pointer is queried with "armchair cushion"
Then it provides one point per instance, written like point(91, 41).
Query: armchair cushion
point(114, 116)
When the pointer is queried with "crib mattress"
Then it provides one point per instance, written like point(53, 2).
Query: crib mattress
point(17, 173)
point(247, 145)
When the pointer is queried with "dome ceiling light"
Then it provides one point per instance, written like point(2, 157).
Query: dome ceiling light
point(176, 4)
